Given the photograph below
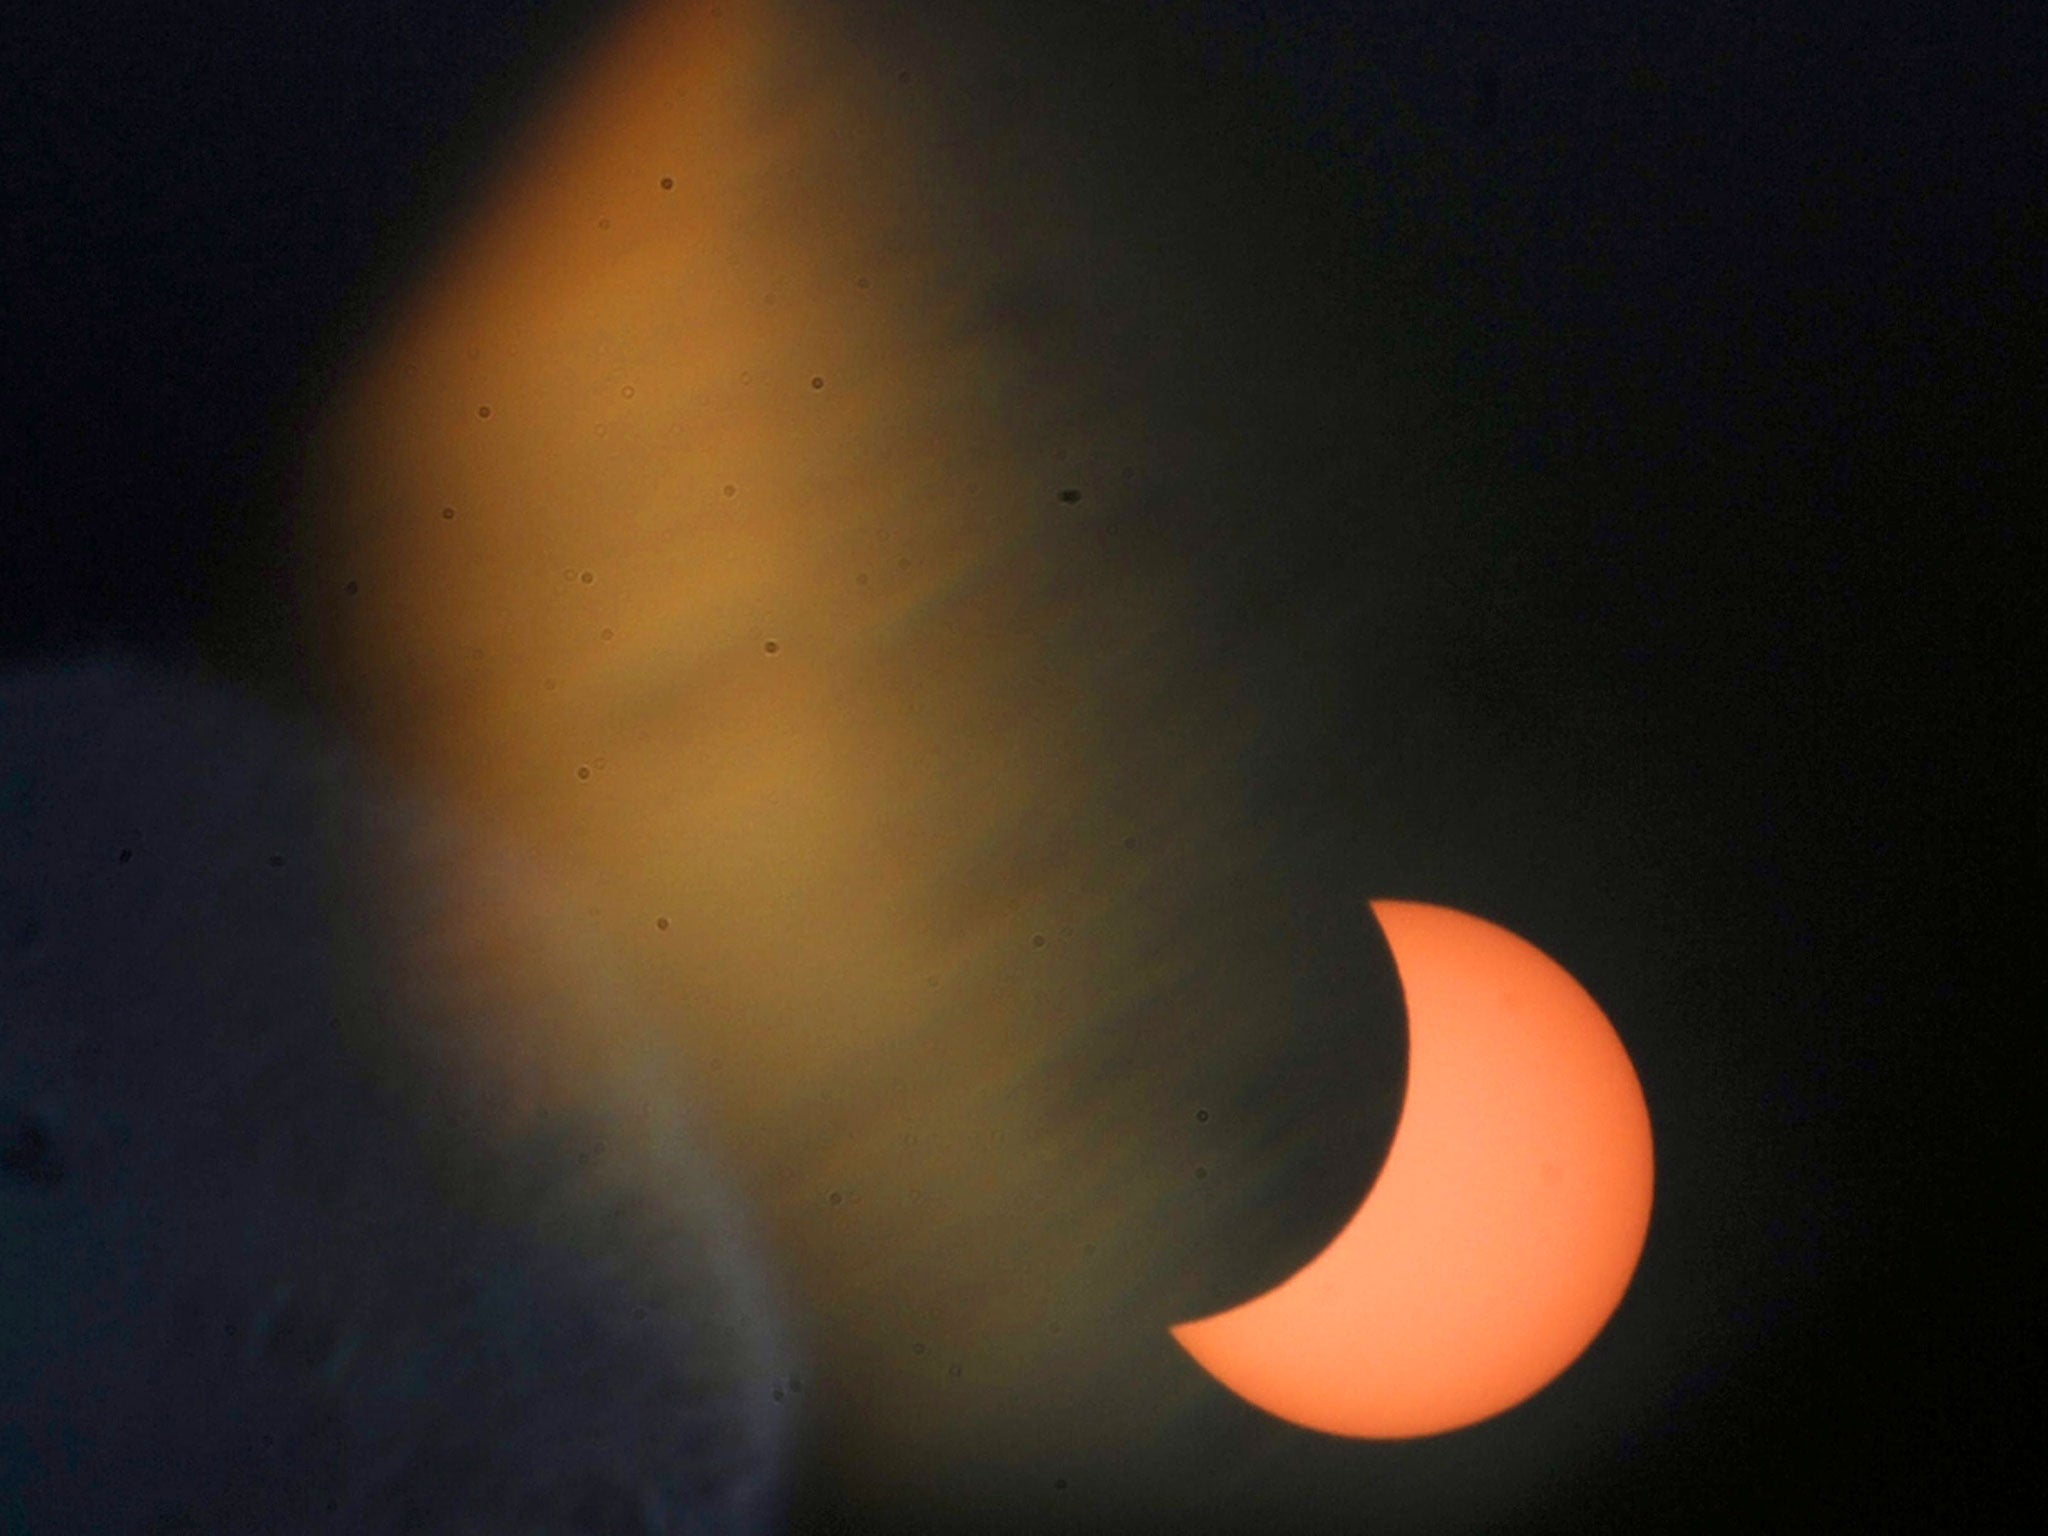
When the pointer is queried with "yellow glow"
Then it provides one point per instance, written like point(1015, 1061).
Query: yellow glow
point(1504, 1227)
point(825, 692)
point(641, 348)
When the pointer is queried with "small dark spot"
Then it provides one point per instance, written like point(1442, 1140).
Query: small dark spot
point(277, 861)
point(604, 634)
point(583, 772)
point(588, 577)
point(1070, 496)
point(1038, 941)
point(837, 1198)
point(796, 1383)
point(903, 562)
point(483, 411)
point(548, 683)
point(732, 490)
point(771, 647)
point(352, 589)
point(661, 923)
point(862, 579)
point(1202, 1114)
point(903, 77)
point(604, 223)
point(668, 183)
point(447, 514)
point(1060, 1483)
point(816, 382)
point(1130, 843)
point(127, 854)
point(953, 1370)
point(861, 283)
point(29, 1155)
point(917, 1348)
point(1088, 1248)
point(639, 1314)
point(1201, 1173)
point(778, 1394)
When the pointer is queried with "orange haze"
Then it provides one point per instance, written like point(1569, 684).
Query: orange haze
point(762, 506)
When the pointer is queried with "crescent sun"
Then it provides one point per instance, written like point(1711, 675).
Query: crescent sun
point(1504, 1227)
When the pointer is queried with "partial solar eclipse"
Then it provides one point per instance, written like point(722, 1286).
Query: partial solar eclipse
point(844, 486)
point(1504, 1227)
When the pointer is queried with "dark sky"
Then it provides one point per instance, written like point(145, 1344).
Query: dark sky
point(1730, 318)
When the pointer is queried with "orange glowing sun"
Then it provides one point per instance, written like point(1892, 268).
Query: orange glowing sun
point(1502, 1231)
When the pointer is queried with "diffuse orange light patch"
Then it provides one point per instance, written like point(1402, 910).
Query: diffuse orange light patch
point(759, 510)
